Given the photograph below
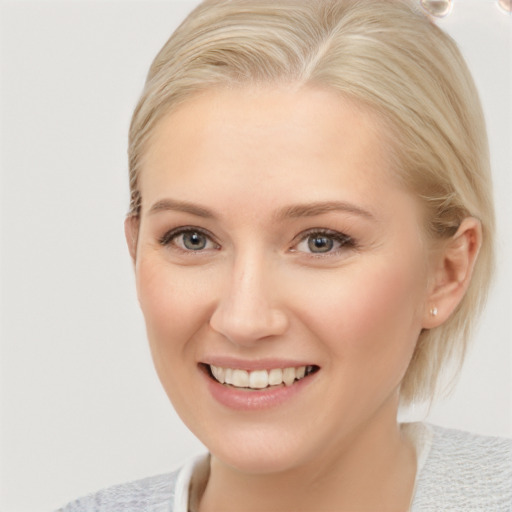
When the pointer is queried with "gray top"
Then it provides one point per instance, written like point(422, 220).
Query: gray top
point(457, 472)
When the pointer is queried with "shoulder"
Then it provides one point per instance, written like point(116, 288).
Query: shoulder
point(162, 493)
point(464, 471)
point(154, 494)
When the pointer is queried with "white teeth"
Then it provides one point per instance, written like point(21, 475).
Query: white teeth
point(258, 379)
point(275, 376)
point(300, 372)
point(288, 376)
point(240, 378)
point(219, 373)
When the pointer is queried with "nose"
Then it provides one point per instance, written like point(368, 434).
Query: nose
point(248, 309)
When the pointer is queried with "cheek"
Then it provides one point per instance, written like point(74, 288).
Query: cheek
point(388, 302)
point(370, 313)
point(174, 308)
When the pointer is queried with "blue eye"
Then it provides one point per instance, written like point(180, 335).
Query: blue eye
point(324, 242)
point(188, 239)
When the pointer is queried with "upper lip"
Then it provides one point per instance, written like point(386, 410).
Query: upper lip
point(254, 364)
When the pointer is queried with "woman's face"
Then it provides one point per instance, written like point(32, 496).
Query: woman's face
point(274, 243)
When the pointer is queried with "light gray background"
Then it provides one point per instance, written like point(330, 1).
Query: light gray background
point(81, 407)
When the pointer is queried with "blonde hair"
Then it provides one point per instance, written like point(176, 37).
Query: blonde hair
point(385, 54)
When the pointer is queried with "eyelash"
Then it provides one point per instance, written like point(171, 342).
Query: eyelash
point(170, 237)
point(344, 241)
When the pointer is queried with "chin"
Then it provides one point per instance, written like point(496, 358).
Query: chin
point(259, 450)
point(251, 462)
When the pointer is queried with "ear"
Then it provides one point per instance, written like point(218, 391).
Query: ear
point(452, 272)
point(131, 233)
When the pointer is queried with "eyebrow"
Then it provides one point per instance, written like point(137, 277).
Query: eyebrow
point(181, 206)
point(313, 209)
point(293, 211)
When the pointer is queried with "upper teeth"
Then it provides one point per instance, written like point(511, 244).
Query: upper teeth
point(257, 379)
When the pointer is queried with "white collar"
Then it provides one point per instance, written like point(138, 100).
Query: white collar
point(183, 481)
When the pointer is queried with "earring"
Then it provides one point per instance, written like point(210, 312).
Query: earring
point(433, 311)
point(437, 8)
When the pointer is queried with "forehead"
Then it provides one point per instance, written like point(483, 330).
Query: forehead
point(317, 113)
point(308, 143)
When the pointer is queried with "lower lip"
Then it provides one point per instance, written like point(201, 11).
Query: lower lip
point(245, 400)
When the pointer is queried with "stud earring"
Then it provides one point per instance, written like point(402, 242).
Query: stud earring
point(437, 8)
point(433, 311)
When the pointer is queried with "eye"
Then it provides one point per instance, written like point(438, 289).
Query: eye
point(189, 239)
point(323, 242)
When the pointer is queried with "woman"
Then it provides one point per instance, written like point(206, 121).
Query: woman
point(311, 228)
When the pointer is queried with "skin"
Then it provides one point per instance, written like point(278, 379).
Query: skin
point(255, 291)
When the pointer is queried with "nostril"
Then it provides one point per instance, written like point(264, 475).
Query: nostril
point(246, 325)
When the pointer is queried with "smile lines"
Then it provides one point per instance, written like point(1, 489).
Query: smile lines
point(260, 379)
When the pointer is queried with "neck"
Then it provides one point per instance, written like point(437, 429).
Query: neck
point(373, 470)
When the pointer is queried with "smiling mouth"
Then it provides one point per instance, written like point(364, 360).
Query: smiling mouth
point(259, 379)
